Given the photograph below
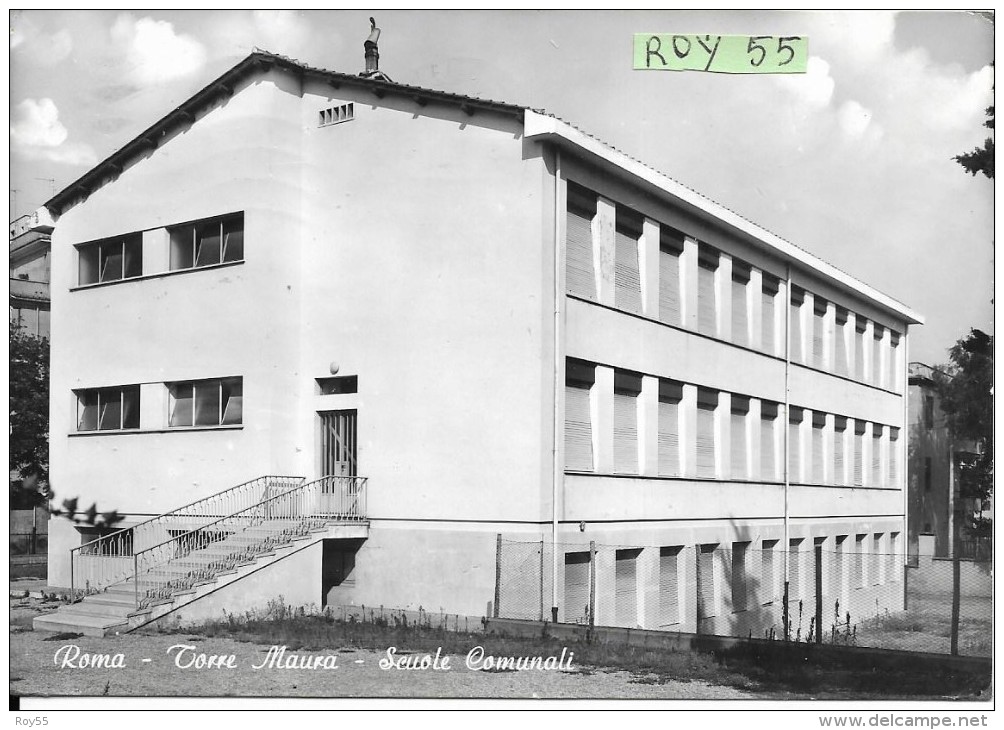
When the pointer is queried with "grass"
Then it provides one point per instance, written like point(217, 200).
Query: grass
point(777, 668)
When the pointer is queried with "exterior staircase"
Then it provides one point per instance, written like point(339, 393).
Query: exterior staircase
point(127, 581)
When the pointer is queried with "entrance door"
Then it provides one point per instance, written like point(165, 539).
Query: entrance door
point(338, 443)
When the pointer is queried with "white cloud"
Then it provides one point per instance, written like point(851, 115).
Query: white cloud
point(815, 87)
point(153, 52)
point(37, 47)
point(281, 31)
point(37, 133)
point(854, 119)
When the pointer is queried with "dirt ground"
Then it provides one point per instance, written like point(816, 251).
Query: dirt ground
point(37, 670)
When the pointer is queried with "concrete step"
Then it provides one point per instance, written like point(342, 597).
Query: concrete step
point(107, 610)
point(86, 624)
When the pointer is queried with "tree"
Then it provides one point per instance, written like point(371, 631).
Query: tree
point(29, 419)
point(966, 391)
point(981, 159)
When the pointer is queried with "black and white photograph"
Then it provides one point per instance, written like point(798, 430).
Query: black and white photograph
point(503, 359)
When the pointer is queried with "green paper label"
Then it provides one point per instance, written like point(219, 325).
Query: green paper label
point(728, 54)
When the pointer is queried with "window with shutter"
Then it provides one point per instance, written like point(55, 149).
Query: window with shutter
point(877, 475)
point(579, 274)
point(577, 588)
point(859, 349)
point(627, 386)
point(859, 453)
point(579, 379)
point(768, 584)
point(794, 569)
point(839, 565)
point(670, 248)
point(818, 331)
point(839, 439)
point(737, 437)
point(840, 351)
point(818, 423)
point(795, 325)
point(627, 276)
point(893, 373)
point(739, 550)
point(768, 421)
point(877, 348)
point(670, 395)
point(768, 295)
point(860, 546)
point(626, 587)
point(706, 607)
point(892, 573)
point(878, 559)
point(740, 316)
point(707, 402)
point(669, 587)
point(794, 444)
point(893, 457)
point(707, 313)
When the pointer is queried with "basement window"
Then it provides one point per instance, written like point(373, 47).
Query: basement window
point(336, 115)
point(214, 402)
point(108, 409)
point(110, 259)
point(207, 242)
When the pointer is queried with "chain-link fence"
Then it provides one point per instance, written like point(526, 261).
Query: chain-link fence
point(853, 589)
point(29, 543)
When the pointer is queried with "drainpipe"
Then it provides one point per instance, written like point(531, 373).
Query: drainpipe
point(557, 472)
point(787, 428)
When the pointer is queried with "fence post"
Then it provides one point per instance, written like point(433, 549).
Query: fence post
point(542, 577)
point(697, 592)
point(785, 618)
point(819, 594)
point(498, 573)
point(955, 605)
point(592, 584)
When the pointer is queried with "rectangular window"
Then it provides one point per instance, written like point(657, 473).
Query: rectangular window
point(893, 457)
point(859, 349)
point(207, 242)
point(110, 259)
point(795, 325)
point(579, 271)
point(579, 379)
point(839, 447)
point(794, 569)
point(859, 453)
point(739, 550)
point(768, 440)
point(892, 561)
point(740, 313)
point(927, 474)
point(669, 586)
point(577, 588)
point(339, 385)
point(770, 285)
point(670, 396)
point(213, 402)
point(818, 332)
point(877, 348)
point(795, 416)
point(626, 587)
point(878, 559)
point(839, 566)
point(108, 409)
point(707, 403)
point(876, 474)
point(670, 249)
point(840, 366)
point(706, 604)
point(928, 411)
point(707, 306)
point(893, 370)
point(737, 437)
point(627, 387)
point(818, 424)
point(627, 275)
point(767, 580)
point(860, 548)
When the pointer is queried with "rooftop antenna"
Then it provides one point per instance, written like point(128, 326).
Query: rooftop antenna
point(52, 183)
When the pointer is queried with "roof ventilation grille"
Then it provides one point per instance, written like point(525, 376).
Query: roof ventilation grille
point(335, 115)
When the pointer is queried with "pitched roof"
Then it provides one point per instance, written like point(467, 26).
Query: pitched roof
point(260, 61)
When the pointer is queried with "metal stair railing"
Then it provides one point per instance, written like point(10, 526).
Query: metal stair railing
point(104, 561)
point(199, 555)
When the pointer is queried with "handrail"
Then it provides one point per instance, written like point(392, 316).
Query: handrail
point(300, 508)
point(123, 542)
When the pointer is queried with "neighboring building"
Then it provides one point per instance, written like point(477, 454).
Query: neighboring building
point(935, 505)
point(29, 275)
point(504, 324)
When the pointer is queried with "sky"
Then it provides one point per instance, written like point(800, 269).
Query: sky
point(852, 161)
